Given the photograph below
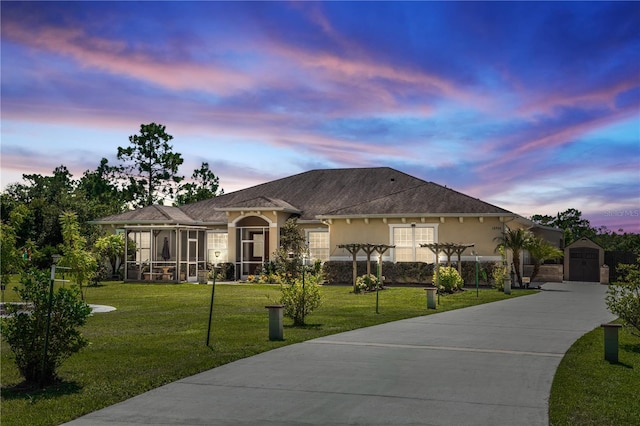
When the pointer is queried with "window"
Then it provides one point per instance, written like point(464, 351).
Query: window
point(318, 245)
point(217, 241)
point(142, 241)
point(407, 239)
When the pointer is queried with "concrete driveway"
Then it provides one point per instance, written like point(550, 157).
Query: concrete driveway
point(486, 365)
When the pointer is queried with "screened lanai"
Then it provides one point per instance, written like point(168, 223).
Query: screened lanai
point(165, 253)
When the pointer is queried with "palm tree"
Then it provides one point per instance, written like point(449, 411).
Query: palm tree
point(542, 250)
point(515, 240)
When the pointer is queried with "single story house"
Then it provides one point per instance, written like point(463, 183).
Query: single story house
point(333, 207)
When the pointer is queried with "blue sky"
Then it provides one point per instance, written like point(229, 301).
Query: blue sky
point(534, 107)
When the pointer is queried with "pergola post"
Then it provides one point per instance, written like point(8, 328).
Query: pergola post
point(381, 249)
point(368, 249)
point(449, 249)
point(353, 249)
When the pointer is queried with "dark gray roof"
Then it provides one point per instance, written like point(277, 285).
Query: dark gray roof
point(150, 214)
point(261, 203)
point(336, 192)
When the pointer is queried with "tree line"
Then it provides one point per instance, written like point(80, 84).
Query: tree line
point(147, 172)
point(576, 227)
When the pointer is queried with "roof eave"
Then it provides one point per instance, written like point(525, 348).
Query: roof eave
point(253, 209)
point(400, 215)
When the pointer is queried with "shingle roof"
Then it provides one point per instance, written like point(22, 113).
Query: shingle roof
point(261, 203)
point(331, 192)
point(150, 214)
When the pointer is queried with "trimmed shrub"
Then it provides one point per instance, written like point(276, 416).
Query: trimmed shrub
point(449, 280)
point(367, 283)
point(341, 272)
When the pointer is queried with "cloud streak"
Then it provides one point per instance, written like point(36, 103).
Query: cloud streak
point(534, 107)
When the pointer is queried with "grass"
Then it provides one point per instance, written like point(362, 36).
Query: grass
point(587, 390)
point(158, 332)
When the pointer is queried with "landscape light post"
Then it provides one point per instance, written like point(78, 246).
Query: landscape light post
point(475, 253)
point(379, 279)
point(213, 292)
point(304, 267)
point(54, 260)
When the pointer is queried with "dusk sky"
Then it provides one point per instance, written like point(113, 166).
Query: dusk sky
point(534, 107)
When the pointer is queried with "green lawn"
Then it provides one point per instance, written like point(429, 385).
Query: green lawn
point(587, 390)
point(158, 333)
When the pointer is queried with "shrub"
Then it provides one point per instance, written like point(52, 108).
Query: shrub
point(298, 301)
point(623, 297)
point(24, 329)
point(449, 280)
point(498, 276)
point(367, 283)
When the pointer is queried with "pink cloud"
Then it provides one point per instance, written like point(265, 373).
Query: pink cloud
point(524, 148)
point(114, 57)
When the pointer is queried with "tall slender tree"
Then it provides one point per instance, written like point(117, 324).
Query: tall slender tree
point(149, 166)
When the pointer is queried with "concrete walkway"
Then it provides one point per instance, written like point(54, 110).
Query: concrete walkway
point(486, 365)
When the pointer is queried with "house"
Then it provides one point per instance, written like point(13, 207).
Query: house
point(334, 207)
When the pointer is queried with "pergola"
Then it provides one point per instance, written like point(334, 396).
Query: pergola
point(449, 249)
point(369, 249)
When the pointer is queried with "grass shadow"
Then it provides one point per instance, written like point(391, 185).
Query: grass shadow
point(305, 327)
point(33, 394)
point(635, 347)
point(621, 364)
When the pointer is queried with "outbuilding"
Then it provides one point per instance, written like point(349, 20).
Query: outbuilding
point(583, 261)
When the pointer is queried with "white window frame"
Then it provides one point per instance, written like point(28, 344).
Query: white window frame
point(394, 226)
point(224, 252)
point(328, 248)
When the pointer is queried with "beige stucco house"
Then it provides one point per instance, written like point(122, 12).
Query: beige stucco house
point(333, 207)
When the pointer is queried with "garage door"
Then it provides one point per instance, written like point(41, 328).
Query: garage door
point(583, 264)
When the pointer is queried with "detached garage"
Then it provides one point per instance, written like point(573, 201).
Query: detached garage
point(582, 261)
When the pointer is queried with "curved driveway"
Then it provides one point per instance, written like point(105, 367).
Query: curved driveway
point(486, 365)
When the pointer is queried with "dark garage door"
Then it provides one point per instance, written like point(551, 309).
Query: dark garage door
point(583, 264)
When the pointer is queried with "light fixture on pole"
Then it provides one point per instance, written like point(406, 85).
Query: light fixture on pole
point(304, 267)
point(475, 253)
point(213, 292)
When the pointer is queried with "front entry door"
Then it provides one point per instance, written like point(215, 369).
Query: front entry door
point(192, 260)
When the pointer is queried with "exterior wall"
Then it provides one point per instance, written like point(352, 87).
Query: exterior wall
point(447, 229)
point(482, 234)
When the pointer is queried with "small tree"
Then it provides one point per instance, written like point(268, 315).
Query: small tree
point(623, 297)
point(112, 248)
point(10, 258)
point(300, 301)
point(300, 291)
point(515, 240)
point(82, 263)
point(542, 250)
point(288, 257)
point(25, 327)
